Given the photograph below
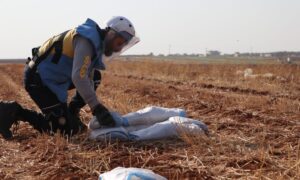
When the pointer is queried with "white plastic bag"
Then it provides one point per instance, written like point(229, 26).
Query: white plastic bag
point(152, 115)
point(110, 133)
point(121, 173)
point(146, 116)
point(167, 129)
point(150, 123)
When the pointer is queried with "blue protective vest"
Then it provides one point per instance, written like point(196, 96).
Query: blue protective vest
point(58, 76)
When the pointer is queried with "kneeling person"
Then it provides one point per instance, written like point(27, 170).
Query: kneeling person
point(72, 59)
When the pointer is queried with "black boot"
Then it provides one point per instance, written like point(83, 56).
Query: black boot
point(9, 114)
point(35, 119)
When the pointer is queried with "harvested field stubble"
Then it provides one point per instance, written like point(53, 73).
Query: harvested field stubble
point(254, 124)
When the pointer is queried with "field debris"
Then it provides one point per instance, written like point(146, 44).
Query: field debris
point(121, 173)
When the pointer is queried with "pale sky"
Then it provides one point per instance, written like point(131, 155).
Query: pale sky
point(187, 26)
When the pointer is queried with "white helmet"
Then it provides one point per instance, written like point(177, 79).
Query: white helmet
point(122, 25)
point(125, 28)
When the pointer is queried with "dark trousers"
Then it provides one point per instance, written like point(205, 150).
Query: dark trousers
point(57, 115)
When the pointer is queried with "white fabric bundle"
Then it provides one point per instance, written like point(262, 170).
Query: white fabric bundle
point(173, 127)
point(148, 124)
point(121, 173)
point(152, 115)
point(147, 116)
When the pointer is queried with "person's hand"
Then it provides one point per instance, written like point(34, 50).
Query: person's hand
point(103, 116)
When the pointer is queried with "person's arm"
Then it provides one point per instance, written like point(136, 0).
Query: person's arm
point(83, 52)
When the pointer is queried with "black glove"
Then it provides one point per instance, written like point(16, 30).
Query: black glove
point(103, 116)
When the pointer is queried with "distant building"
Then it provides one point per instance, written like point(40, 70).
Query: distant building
point(268, 55)
point(287, 57)
point(213, 53)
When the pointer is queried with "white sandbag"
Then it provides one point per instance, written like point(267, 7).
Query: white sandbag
point(121, 173)
point(110, 133)
point(146, 116)
point(170, 128)
point(151, 115)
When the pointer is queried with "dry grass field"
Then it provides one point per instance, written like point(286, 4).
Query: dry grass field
point(254, 124)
